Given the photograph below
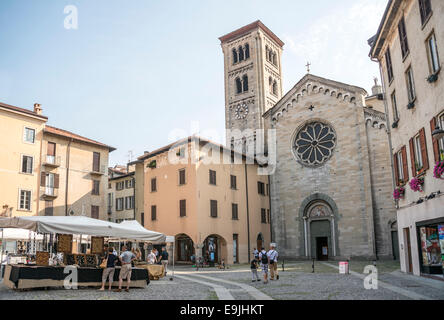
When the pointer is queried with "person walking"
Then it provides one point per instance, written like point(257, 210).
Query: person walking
point(125, 272)
point(264, 262)
point(255, 276)
point(273, 259)
point(163, 258)
point(108, 272)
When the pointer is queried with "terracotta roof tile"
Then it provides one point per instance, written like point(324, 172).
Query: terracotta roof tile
point(26, 111)
point(67, 134)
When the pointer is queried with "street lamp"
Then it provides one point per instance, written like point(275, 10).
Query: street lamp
point(438, 133)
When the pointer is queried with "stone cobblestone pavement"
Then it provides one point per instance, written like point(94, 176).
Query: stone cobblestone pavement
point(295, 283)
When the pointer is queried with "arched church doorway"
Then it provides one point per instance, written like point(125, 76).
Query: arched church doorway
point(184, 248)
point(214, 249)
point(260, 241)
point(319, 232)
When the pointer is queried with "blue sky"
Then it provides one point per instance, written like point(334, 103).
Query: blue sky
point(135, 72)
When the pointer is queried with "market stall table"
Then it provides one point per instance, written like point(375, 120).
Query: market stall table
point(30, 277)
point(155, 271)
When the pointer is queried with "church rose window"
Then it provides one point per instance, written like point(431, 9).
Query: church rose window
point(314, 144)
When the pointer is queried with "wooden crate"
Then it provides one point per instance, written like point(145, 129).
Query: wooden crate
point(42, 258)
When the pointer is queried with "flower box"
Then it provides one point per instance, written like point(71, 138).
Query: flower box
point(399, 193)
point(438, 171)
point(416, 184)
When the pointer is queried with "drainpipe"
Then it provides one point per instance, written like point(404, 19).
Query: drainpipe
point(68, 152)
point(248, 212)
point(269, 205)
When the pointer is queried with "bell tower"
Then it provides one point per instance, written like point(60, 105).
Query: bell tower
point(253, 80)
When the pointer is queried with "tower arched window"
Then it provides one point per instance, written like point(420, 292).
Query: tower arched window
point(270, 84)
point(238, 85)
point(275, 90)
point(247, 51)
point(274, 58)
point(241, 54)
point(235, 56)
point(245, 83)
point(267, 50)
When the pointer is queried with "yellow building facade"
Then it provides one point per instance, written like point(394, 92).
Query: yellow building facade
point(194, 191)
point(49, 171)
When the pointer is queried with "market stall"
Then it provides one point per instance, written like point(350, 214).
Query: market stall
point(49, 270)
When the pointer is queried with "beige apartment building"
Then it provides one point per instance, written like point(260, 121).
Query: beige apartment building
point(208, 204)
point(49, 171)
point(409, 46)
point(121, 194)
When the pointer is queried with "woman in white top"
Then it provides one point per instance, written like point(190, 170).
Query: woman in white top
point(152, 258)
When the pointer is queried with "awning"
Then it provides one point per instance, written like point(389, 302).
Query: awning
point(81, 225)
point(20, 234)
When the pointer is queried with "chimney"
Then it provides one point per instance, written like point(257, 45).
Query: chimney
point(37, 108)
point(376, 89)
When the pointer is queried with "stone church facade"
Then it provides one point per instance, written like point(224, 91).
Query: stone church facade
point(331, 188)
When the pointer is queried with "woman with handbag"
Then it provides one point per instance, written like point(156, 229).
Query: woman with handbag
point(108, 272)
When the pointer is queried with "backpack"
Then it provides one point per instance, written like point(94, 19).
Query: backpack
point(264, 258)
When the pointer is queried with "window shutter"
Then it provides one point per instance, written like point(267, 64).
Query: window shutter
point(425, 157)
point(56, 181)
point(396, 165)
point(435, 141)
point(404, 163)
point(43, 179)
point(412, 157)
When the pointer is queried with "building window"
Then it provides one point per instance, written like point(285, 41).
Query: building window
point(245, 83)
point(418, 152)
point(213, 208)
point(238, 86)
point(182, 180)
point(233, 182)
point(274, 88)
point(153, 184)
point(400, 166)
point(247, 51)
point(153, 213)
point(183, 208)
point(418, 155)
point(95, 212)
point(25, 200)
point(142, 218)
point(403, 38)
point(51, 152)
point(119, 204)
point(440, 155)
point(394, 108)
point(410, 85)
point(129, 202)
point(433, 54)
point(129, 183)
point(119, 185)
point(96, 188)
point(27, 164)
point(234, 211)
point(388, 62)
point(212, 177)
point(261, 188)
point(425, 10)
point(268, 215)
point(263, 216)
point(234, 56)
point(29, 135)
point(110, 201)
point(49, 208)
point(96, 162)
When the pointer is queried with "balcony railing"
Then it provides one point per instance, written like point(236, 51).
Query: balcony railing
point(51, 161)
point(49, 192)
point(99, 171)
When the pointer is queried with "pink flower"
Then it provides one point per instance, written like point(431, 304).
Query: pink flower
point(416, 184)
point(438, 171)
point(399, 193)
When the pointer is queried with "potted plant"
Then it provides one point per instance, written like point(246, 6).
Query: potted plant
point(399, 193)
point(152, 164)
point(416, 184)
point(438, 171)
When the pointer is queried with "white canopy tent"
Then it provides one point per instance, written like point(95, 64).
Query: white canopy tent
point(20, 234)
point(81, 225)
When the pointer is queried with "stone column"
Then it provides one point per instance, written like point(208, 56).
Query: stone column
point(305, 236)
point(333, 236)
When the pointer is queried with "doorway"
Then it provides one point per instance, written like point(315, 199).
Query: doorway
point(409, 264)
point(322, 248)
point(395, 245)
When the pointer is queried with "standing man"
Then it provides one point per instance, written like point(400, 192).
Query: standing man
point(256, 254)
point(272, 257)
point(264, 262)
point(164, 260)
point(125, 272)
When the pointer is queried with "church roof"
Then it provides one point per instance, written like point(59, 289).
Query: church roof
point(252, 26)
point(327, 82)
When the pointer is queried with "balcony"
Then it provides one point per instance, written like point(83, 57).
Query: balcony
point(98, 171)
point(51, 161)
point(49, 192)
